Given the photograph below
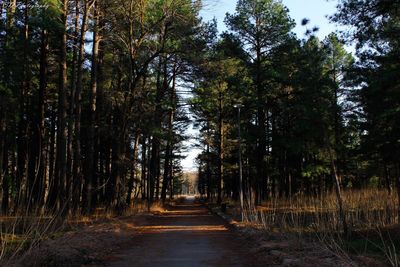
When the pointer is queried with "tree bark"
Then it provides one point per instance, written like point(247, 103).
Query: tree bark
point(133, 171)
point(3, 160)
point(37, 151)
point(261, 138)
point(117, 164)
point(22, 142)
point(155, 142)
point(77, 165)
point(209, 195)
point(51, 198)
point(398, 191)
point(71, 114)
point(338, 192)
point(220, 148)
point(61, 157)
point(90, 176)
point(10, 12)
point(387, 179)
point(144, 168)
point(169, 147)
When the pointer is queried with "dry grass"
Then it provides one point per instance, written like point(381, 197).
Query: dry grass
point(363, 209)
point(19, 234)
point(371, 214)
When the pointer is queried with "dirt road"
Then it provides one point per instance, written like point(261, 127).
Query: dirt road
point(185, 235)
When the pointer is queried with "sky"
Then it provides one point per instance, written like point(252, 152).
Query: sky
point(314, 10)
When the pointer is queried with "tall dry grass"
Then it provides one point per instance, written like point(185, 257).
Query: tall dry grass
point(363, 209)
point(19, 234)
point(370, 211)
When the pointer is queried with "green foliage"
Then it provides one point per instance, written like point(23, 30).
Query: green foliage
point(46, 14)
point(315, 171)
point(377, 43)
point(301, 98)
point(311, 92)
point(262, 23)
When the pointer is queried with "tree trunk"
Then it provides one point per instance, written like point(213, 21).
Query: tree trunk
point(398, 191)
point(154, 165)
point(101, 117)
point(220, 148)
point(4, 146)
point(90, 176)
point(261, 144)
point(37, 155)
point(22, 143)
point(77, 165)
point(3, 160)
point(155, 145)
point(71, 120)
point(208, 163)
point(387, 179)
point(339, 198)
point(109, 186)
point(133, 162)
point(144, 168)
point(51, 198)
point(62, 116)
point(171, 184)
point(117, 171)
point(169, 148)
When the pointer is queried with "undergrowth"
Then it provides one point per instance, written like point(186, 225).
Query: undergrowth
point(22, 233)
point(371, 214)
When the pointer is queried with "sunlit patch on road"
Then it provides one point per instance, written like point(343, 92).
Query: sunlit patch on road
point(184, 228)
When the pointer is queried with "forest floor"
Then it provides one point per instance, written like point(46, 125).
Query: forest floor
point(182, 234)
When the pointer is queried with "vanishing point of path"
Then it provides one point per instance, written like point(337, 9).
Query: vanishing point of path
point(185, 235)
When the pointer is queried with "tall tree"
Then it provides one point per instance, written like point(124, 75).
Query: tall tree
point(91, 164)
point(261, 25)
point(376, 35)
point(61, 158)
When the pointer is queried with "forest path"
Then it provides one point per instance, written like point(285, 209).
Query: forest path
point(187, 234)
